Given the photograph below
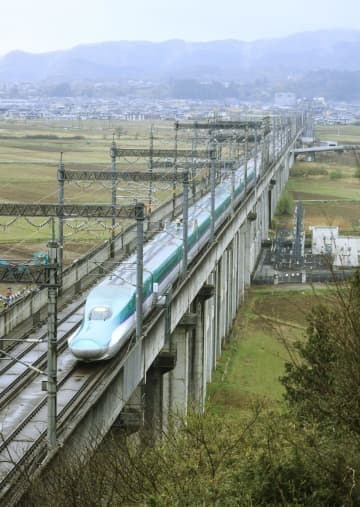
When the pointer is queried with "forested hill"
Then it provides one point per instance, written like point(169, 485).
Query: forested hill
point(225, 60)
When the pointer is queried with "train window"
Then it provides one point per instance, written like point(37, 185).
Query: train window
point(100, 313)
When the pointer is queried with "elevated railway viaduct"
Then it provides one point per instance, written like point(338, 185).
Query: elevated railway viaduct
point(169, 367)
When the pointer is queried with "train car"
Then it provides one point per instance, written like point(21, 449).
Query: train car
point(109, 316)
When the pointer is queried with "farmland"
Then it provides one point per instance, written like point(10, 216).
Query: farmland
point(330, 187)
point(29, 156)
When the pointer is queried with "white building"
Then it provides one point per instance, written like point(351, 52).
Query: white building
point(345, 250)
point(323, 239)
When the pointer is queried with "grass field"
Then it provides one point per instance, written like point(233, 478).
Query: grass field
point(328, 187)
point(253, 359)
point(341, 133)
point(29, 157)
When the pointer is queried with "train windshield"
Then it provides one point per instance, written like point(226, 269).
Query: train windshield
point(100, 313)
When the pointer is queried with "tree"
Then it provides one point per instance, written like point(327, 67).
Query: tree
point(196, 462)
point(323, 384)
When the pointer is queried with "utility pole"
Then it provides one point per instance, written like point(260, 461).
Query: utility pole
point(175, 169)
point(194, 155)
point(212, 188)
point(139, 215)
point(150, 166)
point(113, 196)
point(246, 155)
point(255, 153)
point(52, 346)
point(233, 169)
point(273, 137)
point(61, 180)
point(43, 275)
point(185, 220)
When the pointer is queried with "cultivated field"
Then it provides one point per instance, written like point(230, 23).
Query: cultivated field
point(330, 186)
point(29, 156)
point(343, 134)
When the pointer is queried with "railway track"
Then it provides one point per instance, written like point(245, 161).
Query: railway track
point(23, 404)
point(25, 445)
point(29, 358)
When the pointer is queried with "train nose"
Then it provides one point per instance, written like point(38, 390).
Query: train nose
point(87, 350)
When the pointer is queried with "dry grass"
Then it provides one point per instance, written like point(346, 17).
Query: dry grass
point(341, 133)
point(328, 193)
point(29, 158)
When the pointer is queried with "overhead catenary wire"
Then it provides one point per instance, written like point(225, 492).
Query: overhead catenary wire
point(139, 191)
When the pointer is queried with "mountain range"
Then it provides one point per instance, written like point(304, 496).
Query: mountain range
point(223, 60)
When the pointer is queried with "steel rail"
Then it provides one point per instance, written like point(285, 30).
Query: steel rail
point(29, 346)
point(71, 407)
point(26, 376)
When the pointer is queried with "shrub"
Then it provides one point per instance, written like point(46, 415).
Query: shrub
point(336, 175)
point(285, 205)
point(357, 172)
point(317, 171)
point(303, 171)
point(298, 172)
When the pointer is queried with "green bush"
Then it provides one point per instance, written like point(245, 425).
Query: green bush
point(336, 175)
point(285, 205)
point(298, 172)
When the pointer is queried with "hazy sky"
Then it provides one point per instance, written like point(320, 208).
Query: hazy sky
point(46, 25)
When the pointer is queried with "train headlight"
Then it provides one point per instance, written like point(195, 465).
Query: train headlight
point(116, 336)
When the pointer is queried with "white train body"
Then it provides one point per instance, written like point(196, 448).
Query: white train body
point(109, 317)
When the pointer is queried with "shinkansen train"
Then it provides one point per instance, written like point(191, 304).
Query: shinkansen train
point(109, 317)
